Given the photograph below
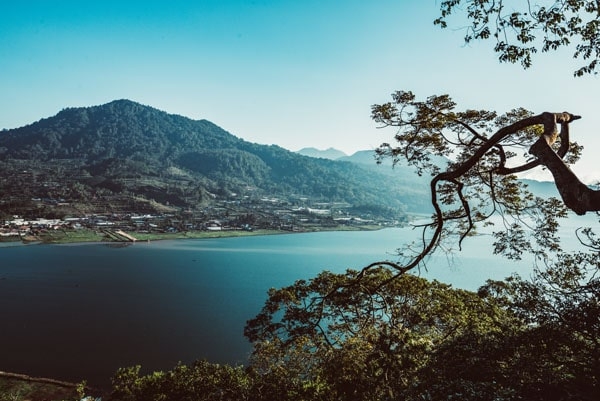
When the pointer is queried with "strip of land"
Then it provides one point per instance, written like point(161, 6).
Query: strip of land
point(15, 386)
point(89, 235)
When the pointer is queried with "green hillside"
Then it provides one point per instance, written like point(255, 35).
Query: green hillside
point(124, 155)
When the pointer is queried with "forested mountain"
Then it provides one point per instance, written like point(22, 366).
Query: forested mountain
point(127, 155)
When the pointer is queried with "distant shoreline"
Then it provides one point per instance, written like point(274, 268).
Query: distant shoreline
point(96, 236)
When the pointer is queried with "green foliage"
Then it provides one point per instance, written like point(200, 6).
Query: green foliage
point(521, 30)
point(227, 164)
point(363, 339)
point(80, 388)
point(376, 335)
point(553, 355)
point(200, 381)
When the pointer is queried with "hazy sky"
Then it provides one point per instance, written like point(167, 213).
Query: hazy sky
point(286, 72)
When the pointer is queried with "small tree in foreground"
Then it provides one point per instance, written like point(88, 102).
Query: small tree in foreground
point(200, 381)
point(334, 338)
point(364, 342)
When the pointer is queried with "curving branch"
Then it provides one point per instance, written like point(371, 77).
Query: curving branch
point(576, 195)
point(478, 175)
point(453, 183)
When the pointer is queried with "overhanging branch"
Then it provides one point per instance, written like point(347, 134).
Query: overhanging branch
point(577, 196)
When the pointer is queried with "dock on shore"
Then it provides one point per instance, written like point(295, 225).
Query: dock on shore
point(120, 235)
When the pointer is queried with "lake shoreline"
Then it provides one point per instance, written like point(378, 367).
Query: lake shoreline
point(95, 236)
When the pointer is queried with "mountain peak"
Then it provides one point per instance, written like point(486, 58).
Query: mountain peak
point(123, 102)
point(121, 128)
point(330, 153)
point(126, 104)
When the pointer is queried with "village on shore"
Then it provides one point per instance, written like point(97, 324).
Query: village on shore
point(225, 219)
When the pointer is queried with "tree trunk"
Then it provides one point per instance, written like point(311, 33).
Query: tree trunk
point(576, 195)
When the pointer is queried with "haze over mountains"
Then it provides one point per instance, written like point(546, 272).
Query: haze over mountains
point(543, 189)
point(126, 155)
point(331, 153)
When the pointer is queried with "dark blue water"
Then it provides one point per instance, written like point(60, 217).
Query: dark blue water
point(81, 311)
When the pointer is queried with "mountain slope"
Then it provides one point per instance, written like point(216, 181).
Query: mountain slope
point(126, 154)
point(122, 128)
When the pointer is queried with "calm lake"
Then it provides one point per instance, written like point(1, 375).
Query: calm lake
point(81, 311)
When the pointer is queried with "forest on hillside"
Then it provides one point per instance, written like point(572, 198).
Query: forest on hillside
point(124, 155)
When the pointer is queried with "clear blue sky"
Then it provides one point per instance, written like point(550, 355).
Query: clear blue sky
point(291, 73)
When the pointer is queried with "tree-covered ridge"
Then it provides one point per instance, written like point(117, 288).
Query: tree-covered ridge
point(122, 128)
point(124, 149)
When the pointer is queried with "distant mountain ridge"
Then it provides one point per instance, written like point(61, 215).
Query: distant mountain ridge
point(130, 152)
point(330, 153)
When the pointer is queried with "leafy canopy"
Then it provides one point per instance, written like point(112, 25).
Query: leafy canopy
point(338, 338)
point(362, 339)
point(521, 28)
point(482, 151)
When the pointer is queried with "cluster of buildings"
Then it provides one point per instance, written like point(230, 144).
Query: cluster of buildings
point(214, 219)
point(20, 227)
point(234, 214)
